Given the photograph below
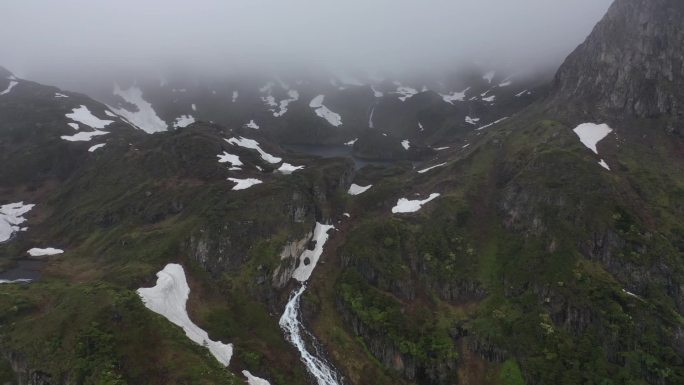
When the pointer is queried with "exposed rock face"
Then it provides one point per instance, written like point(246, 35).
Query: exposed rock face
point(632, 64)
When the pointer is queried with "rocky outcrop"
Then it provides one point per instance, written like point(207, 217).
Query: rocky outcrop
point(632, 65)
point(25, 374)
point(288, 261)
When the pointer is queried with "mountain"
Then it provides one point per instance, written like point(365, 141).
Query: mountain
point(541, 245)
point(630, 64)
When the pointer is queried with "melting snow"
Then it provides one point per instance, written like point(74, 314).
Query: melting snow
point(38, 252)
point(406, 92)
point(355, 189)
point(430, 168)
point(470, 120)
point(454, 96)
point(95, 147)
point(9, 88)
point(254, 145)
point(324, 112)
point(287, 168)
point(11, 216)
point(254, 380)
point(169, 297)
point(489, 76)
point(492, 123)
point(183, 121)
point(406, 144)
point(309, 258)
point(83, 136)
point(145, 118)
point(242, 184)
point(410, 206)
point(234, 160)
point(83, 115)
point(590, 134)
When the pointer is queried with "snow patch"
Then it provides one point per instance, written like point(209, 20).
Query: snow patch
point(603, 164)
point(254, 145)
point(235, 96)
point(242, 184)
point(83, 115)
point(355, 189)
point(470, 120)
point(351, 142)
point(492, 123)
point(519, 94)
point(194, 107)
point(169, 297)
point(183, 121)
point(234, 160)
point(252, 124)
point(254, 380)
point(287, 168)
point(11, 216)
point(489, 99)
point(58, 95)
point(411, 206)
point(324, 112)
point(95, 147)
point(590, 134)
point(455, 96)
point(83, 136)
point(406, 92)
point(376, 93)
point(423, 171)
point(9, 88)
point(406, 144)
point(441, 148)
point(489, 76)
point(145, 118)
point(309, 258)
point(73, 125)
point(38, 252)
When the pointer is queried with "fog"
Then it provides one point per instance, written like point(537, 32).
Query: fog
point(41, 38)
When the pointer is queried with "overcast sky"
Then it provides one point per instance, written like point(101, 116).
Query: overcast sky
point(386, 34)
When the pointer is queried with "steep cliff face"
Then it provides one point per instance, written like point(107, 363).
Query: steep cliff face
point(632, 65)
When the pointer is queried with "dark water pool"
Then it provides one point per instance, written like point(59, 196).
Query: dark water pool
point(333, 151)
point(24, 269)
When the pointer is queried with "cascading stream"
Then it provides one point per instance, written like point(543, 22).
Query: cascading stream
point(291, 322)
point(294, 330)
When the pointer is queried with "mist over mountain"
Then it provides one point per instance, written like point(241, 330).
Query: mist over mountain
point(46, 41)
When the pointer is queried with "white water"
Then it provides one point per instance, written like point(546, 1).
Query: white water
point(370, 119)
point(293, 328)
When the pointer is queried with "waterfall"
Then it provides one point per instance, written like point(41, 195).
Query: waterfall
point(294, 330)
